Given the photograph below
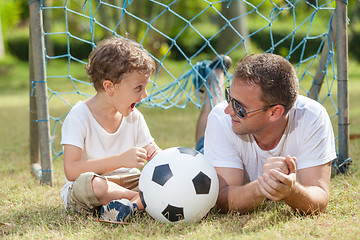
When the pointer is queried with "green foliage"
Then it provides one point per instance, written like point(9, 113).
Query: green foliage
point(353, 9)
point(19, 47)
point(11, 79)
point(10, 12)
point(176, 24)
point(354, 28)
point(206, 23)
point(263, 41)
point(354, 46)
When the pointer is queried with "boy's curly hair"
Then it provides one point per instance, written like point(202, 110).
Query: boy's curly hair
point(113, 58)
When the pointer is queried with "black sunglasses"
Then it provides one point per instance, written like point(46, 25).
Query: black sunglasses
point(238, 109)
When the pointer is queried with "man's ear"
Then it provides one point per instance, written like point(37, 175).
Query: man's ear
point(276, 112)
point(108, 87)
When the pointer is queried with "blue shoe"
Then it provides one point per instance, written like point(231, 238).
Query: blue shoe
point(222, 62)
point(117, 211)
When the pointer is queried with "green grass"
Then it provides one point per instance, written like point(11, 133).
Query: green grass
point(35, 211)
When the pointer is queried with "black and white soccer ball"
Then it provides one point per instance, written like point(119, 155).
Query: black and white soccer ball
point(178, 185)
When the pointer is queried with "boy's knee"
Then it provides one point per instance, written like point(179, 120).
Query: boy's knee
point(99, 185)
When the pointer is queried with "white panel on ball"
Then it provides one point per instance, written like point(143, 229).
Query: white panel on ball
point(178, 184)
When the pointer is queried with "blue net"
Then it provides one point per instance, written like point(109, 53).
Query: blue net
point(184, 37)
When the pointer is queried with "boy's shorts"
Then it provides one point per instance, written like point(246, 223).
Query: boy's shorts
point(81, 196)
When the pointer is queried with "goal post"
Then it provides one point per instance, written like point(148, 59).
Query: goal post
point(39, 112)
point(186, 33)
point(342, 163)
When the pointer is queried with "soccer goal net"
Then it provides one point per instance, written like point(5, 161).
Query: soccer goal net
point(182, 37)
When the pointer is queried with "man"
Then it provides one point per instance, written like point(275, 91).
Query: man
point(266, 141)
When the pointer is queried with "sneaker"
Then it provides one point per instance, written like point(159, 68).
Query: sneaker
point(221, 62)
point(117, 211)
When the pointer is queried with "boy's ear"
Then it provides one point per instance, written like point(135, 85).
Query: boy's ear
point(276, 112)
point(108, 86)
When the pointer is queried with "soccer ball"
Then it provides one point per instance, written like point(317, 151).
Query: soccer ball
point(178, 185)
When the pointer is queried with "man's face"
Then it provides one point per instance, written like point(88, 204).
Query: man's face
point(248, 97)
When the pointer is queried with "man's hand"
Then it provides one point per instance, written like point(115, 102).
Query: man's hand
point(277, 163)
point(275, 184)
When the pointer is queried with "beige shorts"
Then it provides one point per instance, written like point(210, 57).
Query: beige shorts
point(81, 197)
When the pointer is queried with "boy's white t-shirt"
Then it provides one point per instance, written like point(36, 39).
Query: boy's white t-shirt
point(308, 136)
point(81, 129)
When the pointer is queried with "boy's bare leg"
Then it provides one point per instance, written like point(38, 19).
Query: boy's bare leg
point(106, 191)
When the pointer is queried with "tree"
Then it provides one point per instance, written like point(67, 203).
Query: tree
point(9, 16)
point(229, 35)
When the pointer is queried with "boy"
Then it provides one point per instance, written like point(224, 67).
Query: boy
point(105, 138)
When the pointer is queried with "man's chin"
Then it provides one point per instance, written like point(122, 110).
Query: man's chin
point(238, 131)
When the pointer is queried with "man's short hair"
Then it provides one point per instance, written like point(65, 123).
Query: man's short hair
point(274, 74)
point(113, 58)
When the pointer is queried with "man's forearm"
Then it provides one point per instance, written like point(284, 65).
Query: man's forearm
point(242, 199)
point(308, 200)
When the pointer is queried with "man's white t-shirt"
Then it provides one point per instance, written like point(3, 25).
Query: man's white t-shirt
point(81, 129)
point(308, 136)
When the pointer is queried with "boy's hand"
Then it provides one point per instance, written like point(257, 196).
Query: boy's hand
point(134, 157)
point(152, 149)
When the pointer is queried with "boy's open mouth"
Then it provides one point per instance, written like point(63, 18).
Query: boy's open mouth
point(133, 105)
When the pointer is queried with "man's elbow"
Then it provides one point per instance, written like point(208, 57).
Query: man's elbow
point(321, 208)
point(222, 201)
point(222, 207)
point(312, 209)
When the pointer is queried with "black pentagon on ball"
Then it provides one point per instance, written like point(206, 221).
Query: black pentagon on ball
point(189, 151)
point(162, 174)
point(202, 183)
point(173, 214)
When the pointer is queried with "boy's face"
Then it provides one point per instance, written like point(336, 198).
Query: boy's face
point(131, 90)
